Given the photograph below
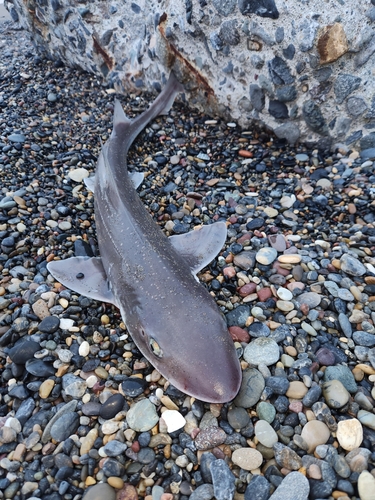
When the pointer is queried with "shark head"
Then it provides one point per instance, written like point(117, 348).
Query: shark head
point(197, 355)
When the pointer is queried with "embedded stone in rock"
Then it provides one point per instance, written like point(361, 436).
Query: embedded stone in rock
point(142, 416)
point(251, 388)
point(344, 85)
point(349, 434)
point(262, 350)
point(262, 8)
point(332, 43)
point(351, 265)
point(314, 117)
point(247, 458)
point(279, 71)
point(315, 433)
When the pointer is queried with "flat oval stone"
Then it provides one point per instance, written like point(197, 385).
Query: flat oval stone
point(285, 305)
point(173, 420)
point(112, 406)
point(296, 390)
point(210, 437)
point(251, 388)
point(315, 433)
point(238, 417)
point(50, 324)
point(142, 416)
point(265, 433)
point(351, 265)
point(349, 434)
point(266, 255)
point(366, 486)
point(39, 368)
point(66, 425)
point(292, 258)
point(366, 418)
point(23, 351)
point(284, 294)
point(100, 491)
point(247, 458)
point(262, 350)
point(294, 482)
point(311, 299)
point(335, 394)
point(78, 174)
point(133, 386)
point(286, 457)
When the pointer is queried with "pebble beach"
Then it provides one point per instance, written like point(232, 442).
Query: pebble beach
point(83, 415)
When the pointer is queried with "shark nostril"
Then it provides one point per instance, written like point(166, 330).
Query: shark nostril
point(156, 348)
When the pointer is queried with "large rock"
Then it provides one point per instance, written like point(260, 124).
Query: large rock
point(303, 73)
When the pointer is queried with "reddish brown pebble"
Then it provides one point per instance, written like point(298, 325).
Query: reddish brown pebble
point(245, 239)
point(128, 492)
point(239, 334)
point(247, 289)
point(230, 272)
point(245, 154)
point(280, 270)
point(264, 294)
point(210, 437)
point(296, 406)
point(135, 446)
point(304, 308)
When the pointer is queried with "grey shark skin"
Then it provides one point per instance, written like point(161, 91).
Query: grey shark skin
point(171, 317)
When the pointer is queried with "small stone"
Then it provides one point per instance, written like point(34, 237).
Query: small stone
point(266, 255)
point(251, 388)
point(46, 388)
point(173, 420)
point(66, 425)
point(342, 373)
point(133, 386)
point(315, 433)
point(23, 350)
point(238, 417)
point(335, 394)
point(265, 433)
point(262, 350)
point(258, 488)
point(247, 458)
point(223, 480)
point(366, 486)
point(351, 265)
point(366, 418)
point(100, 491)
point(112, 406)
point(209, 438)
point(49, 324)
point(78, 174)
point(349, 434)
point(296, 390)
point(142, 416)
point(286, 457)
point(40, 309)
point(332, 43)
point(311, 299)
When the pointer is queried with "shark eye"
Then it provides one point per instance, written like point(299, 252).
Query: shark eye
point(155, 348)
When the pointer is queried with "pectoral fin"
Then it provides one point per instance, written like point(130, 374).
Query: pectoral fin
point(84, 275)
point(200, 247)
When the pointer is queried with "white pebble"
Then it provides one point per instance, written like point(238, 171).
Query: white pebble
point(173, 420)
point(84, 348)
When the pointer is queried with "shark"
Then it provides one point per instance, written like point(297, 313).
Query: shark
point(152, 278)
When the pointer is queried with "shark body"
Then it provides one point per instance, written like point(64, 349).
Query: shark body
point(171, 317)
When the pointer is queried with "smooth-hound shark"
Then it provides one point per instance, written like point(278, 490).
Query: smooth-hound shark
point(171, 317)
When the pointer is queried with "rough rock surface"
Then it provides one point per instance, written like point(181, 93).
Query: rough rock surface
point(304, 73)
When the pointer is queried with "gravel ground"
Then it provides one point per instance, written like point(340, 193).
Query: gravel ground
point(82, 413)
